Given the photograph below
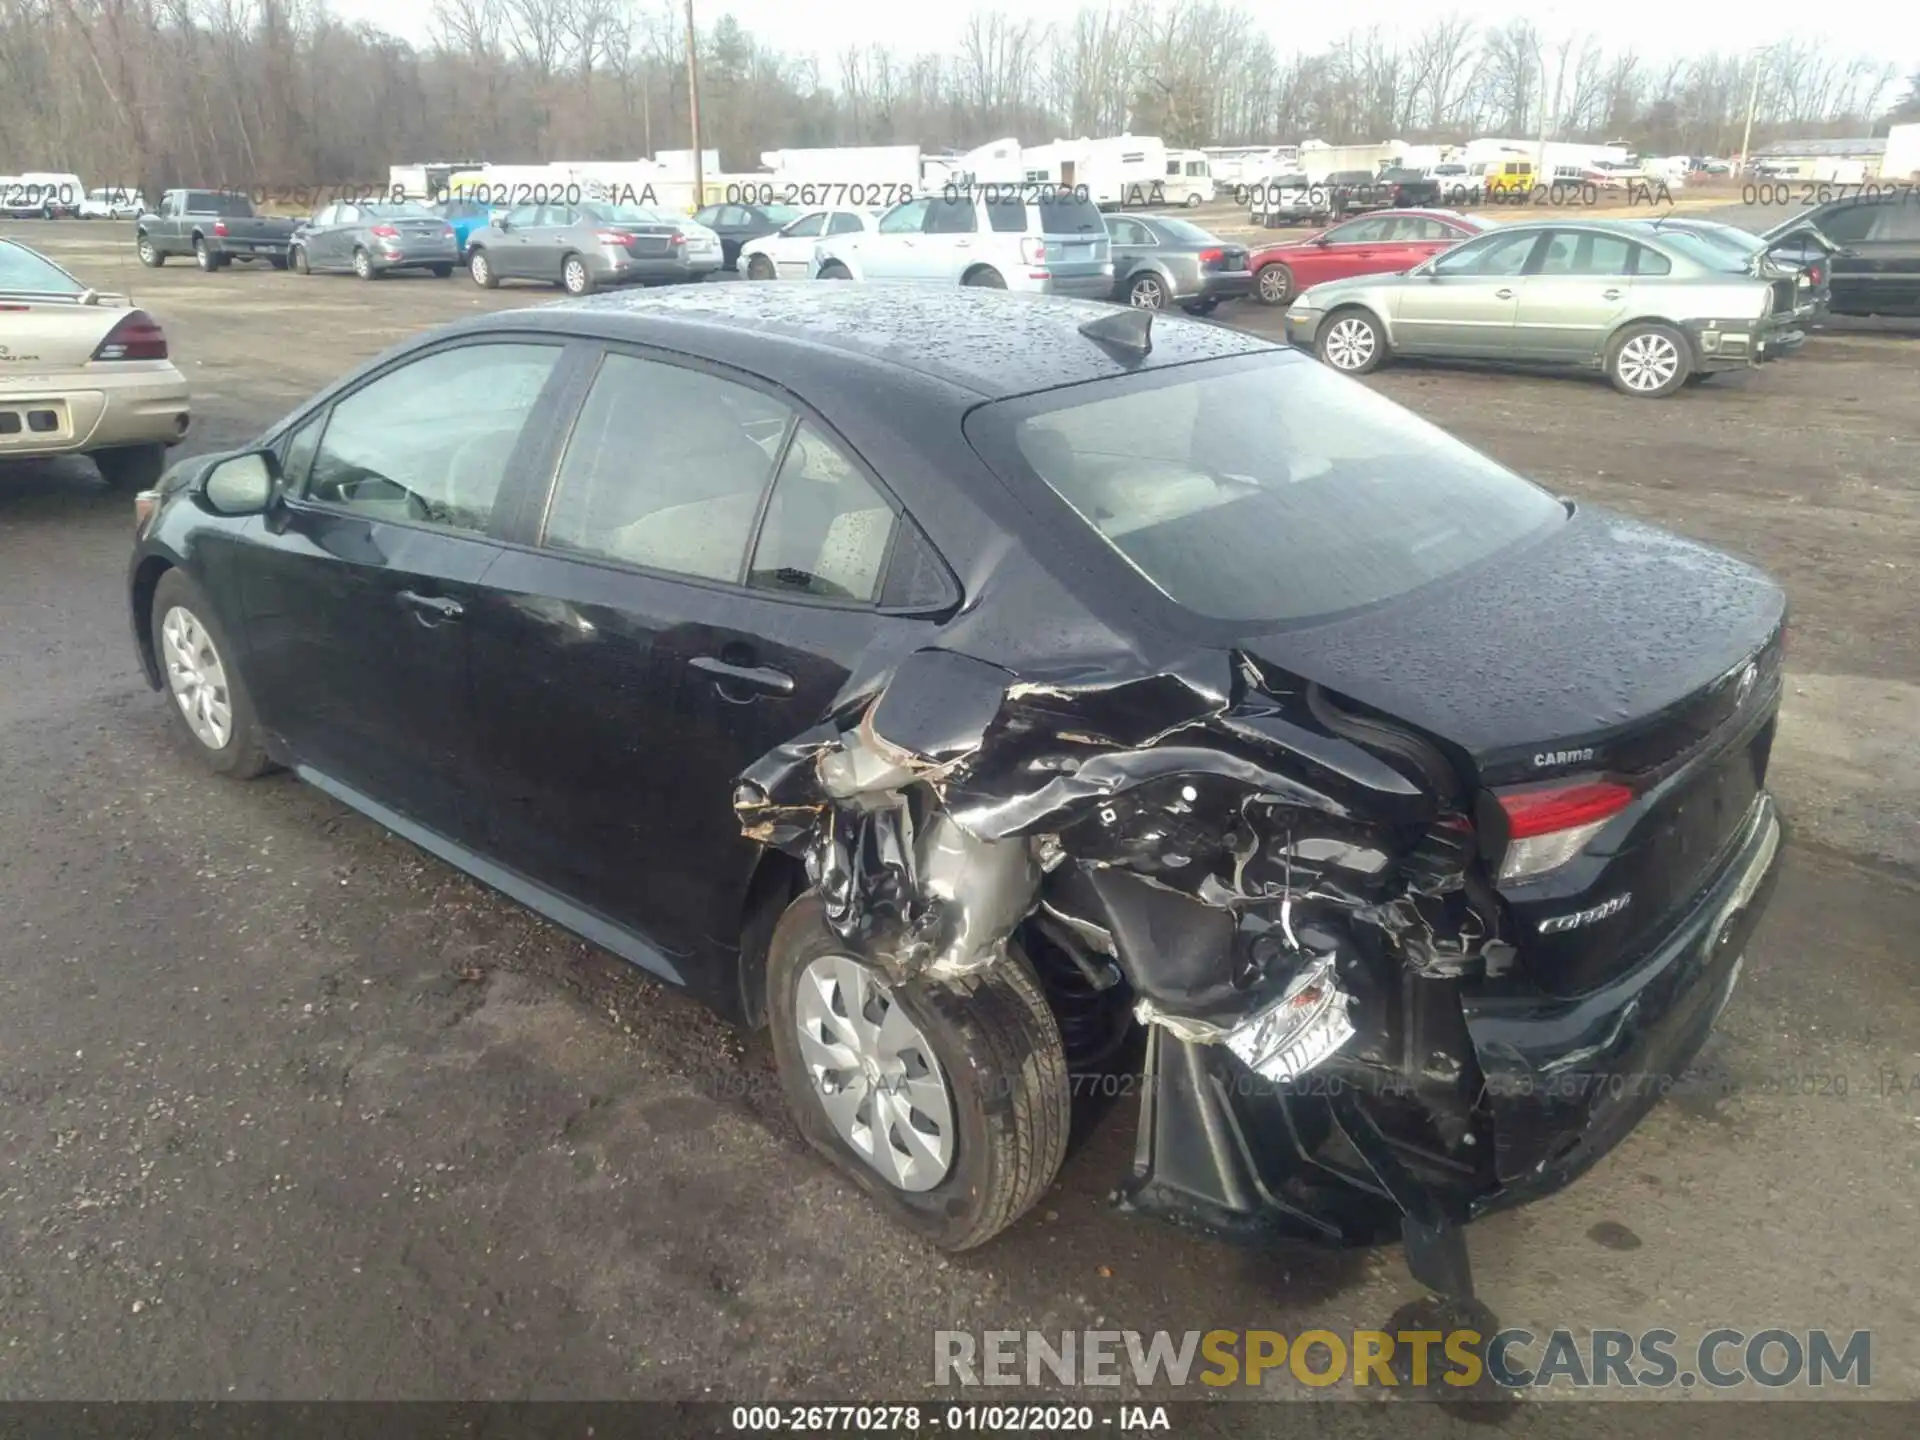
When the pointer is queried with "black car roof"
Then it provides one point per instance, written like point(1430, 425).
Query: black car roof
point(994, 343)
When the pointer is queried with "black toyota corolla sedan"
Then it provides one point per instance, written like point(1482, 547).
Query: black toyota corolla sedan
point(984, 690)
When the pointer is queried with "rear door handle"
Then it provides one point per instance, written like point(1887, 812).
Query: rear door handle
point(1503, 294)
point(437, 606)
point(761, 677)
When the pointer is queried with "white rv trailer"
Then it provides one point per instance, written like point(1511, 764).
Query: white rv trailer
point(1121, 170)
point(1248, 165)
point(426, 180)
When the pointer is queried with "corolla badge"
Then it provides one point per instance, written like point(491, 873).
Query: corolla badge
point(1742, 690)
point(1558, 923)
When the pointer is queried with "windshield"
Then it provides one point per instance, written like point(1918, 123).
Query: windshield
point(1272, 493)
point(1186, 230)
point(22, 269)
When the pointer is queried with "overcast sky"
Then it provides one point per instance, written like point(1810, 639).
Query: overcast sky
point(1654, 27)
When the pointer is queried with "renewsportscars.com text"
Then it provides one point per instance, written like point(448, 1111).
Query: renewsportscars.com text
point(1515, 1359)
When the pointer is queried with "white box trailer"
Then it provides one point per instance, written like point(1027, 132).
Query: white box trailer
point(1902, 158)
point(1122, 170)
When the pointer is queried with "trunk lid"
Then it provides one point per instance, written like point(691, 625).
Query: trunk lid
point(1608, 652)
point(50, 334)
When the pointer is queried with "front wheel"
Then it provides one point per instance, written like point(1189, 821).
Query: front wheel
point(1193, 202)
point(481, 269)
point(947, 1103)
point(131, 467)
point(299, 258)
point(1351, 342)
point(759, 267)
point(150, 254)
point(1648, 361)
point(210, 702)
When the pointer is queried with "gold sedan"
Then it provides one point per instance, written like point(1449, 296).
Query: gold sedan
point(83, 373)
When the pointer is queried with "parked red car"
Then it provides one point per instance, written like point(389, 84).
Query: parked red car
point(1381, 243)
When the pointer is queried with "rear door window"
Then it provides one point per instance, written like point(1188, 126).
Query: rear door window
point(665, 469)
point(827, 529)
point(952, 217)
point(1848, 224)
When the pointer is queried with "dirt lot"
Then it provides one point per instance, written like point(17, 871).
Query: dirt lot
point(288, 1109)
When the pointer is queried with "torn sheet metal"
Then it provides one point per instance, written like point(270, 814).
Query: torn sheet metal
point(1282, 1040)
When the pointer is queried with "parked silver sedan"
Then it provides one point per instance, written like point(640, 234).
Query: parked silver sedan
point(1162, 260)
point(1650, 310)
point(372, 239)
point(594, 243)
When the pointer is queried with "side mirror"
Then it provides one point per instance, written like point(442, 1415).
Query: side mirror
point(241, 484)
point(503, 224)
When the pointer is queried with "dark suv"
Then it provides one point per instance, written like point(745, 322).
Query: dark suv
point(1876, 270)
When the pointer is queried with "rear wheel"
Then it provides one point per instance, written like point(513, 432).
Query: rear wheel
point(1351, 342)
point(363, 265)
point(1193, 201)
point(834, 270)
point(985, 277)
point(1146, 292)
point(278, 262)
point(481, 269)
point(210, 702)
point(150, 254)
point(441, 272)
point(1648, 361)
point(203, 257)
point(1273, 284)
point(575, 276)
point(948, 1103)
point(759, 267)
point(131, 467)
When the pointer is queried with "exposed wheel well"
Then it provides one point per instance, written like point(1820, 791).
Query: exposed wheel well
point(145, 581)
point(974, 270)
point(777, 881)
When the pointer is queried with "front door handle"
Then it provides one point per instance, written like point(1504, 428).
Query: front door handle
point(1503, 294)
point(761, 677)
point(432, 608)
point(1610, 294)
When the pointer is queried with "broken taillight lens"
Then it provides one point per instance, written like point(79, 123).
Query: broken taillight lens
point(1549, 825)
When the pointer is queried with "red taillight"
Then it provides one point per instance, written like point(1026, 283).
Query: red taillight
point(384, 232)
point(137, 337)
point(1813, 273)
point(1212, 257)
point(676, 239)
point(219, 227)
point(610, 237)
point(1033, 252)
point(1562, 807)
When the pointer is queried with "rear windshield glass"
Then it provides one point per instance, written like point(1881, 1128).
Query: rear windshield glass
point(618, 214)
point(22, 269)
point(1273, 493)
point(1713, 254)
point(211, 202)
point(1068, 214)
point(1186, 230)
point(405, 210)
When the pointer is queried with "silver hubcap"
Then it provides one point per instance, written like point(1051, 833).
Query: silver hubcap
point(1273, 284)
point(875, 1073)
point(1648, 362)
point(361, 264)
point(197, 678)
point(1350, 344)
point(1146, 295)
point(576, 275)
point(480, 268)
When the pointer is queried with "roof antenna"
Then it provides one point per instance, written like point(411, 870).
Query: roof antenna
point(1130, 330)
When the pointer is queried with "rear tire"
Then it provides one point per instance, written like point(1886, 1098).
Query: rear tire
point(481, 269)
point(278, 262)
point(131, 467)
point(985, 278)
point(1146, 292)
point(203, 257)
point(575, 277)
point(998, 1055)
point(243, 754)
point(363, 265)
point(441, 272)
point(1352, 342)
point(834, 270)
point(1649, 361)
point(759, 267)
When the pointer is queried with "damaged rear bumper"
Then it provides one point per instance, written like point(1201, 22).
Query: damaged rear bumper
point(1343, 1154)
